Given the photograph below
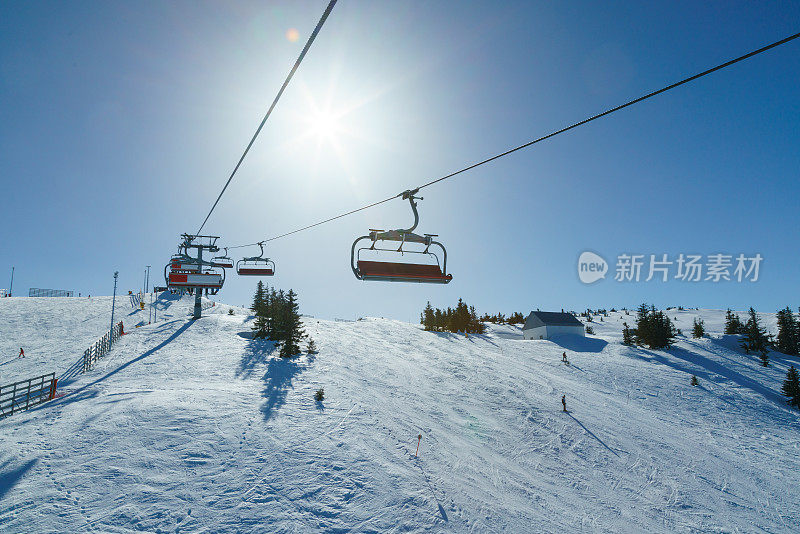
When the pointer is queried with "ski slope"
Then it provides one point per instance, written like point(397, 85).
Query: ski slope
point(191, 426)
point(55, 331)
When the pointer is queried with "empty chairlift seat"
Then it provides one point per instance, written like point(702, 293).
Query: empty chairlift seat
point(256, 265)
point(388, 271)
point(254, 270)
point(402, 272)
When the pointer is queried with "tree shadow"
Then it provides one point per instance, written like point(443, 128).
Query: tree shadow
point(257, 352)
point(577, 343)
point(277, 382)
point(718, 369)
point(450, 336)
point(10, 477)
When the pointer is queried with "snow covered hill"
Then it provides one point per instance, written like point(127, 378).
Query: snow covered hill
point(191, 426)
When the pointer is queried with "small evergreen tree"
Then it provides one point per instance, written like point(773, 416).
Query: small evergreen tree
point(230, 311)
point(261, 325)
point(787, 332)
point(261, 328)
point(755, 336)
point(312, 347)
point(516, 318)
point(733, 325)
point(293, 332)
point(654, 328)
point(694, 381)
point(791, 387)
point(428, 317)
point(258, 299)
point(698, 328)
point(628, 335)
point(319, 396)
point(589, 330)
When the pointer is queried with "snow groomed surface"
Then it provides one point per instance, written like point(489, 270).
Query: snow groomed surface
point(191, 426)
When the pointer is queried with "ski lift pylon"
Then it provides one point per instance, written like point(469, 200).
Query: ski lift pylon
point(396, 271)
point(185, 273)
point(256, 265)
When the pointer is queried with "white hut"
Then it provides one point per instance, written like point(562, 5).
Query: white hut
point(544, 325)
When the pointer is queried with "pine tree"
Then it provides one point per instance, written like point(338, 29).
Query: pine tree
point(293, 332)
point(654, 328)
point(516, 318)
point(277, 310)
point(694, 381)
point(258, 298)
point(261, 325)
point(428, 317)
point(628, 335)
point(755, 337)
point(261, 328)
point(791, 387)
point(698, 328)
point(733, 325)
point(787, 332)
point(312, 347)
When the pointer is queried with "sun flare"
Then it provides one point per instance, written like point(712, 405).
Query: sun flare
point(325, 124)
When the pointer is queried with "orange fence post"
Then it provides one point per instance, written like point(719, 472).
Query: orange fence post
point(53, 389)
point(419, 439)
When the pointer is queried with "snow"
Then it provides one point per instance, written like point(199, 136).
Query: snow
point(192, 426)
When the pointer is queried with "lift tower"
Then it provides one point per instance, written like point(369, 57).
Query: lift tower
point(201, 243)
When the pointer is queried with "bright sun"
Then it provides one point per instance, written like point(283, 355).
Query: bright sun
point(325, 124)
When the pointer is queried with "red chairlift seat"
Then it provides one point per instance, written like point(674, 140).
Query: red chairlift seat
point(402, 272)
point(251, 270)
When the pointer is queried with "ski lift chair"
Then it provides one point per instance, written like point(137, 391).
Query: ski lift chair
point(256, 265)
point(425, 273)
point(223, 261)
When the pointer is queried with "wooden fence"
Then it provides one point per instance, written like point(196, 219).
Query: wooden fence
point(20, 396)
point(101, 347)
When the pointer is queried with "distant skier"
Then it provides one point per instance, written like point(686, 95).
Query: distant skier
point(564, 357)
point(564, 402)
point(21, 353)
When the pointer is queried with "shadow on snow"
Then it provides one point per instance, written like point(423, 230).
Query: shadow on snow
point(688, 362)
point(279, 374)
point(10, 477)
point(257, 352)
point(577, 343)
point(82, 393)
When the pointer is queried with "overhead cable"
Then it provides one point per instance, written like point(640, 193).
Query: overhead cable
point(539, 139)
point(274, 103)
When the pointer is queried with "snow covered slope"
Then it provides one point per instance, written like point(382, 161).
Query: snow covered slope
point(54, 331)
point(193, 427)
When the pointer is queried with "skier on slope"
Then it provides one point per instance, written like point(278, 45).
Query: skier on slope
point(564, 357)
point(21, 353)
point(564, 402)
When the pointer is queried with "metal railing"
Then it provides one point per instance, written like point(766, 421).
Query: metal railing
point(36, 292)
point(20, 396)
point(101, 347)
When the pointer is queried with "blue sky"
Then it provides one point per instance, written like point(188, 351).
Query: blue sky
point(119, 123)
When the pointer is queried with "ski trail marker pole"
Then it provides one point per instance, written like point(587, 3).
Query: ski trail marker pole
point(419, 439)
